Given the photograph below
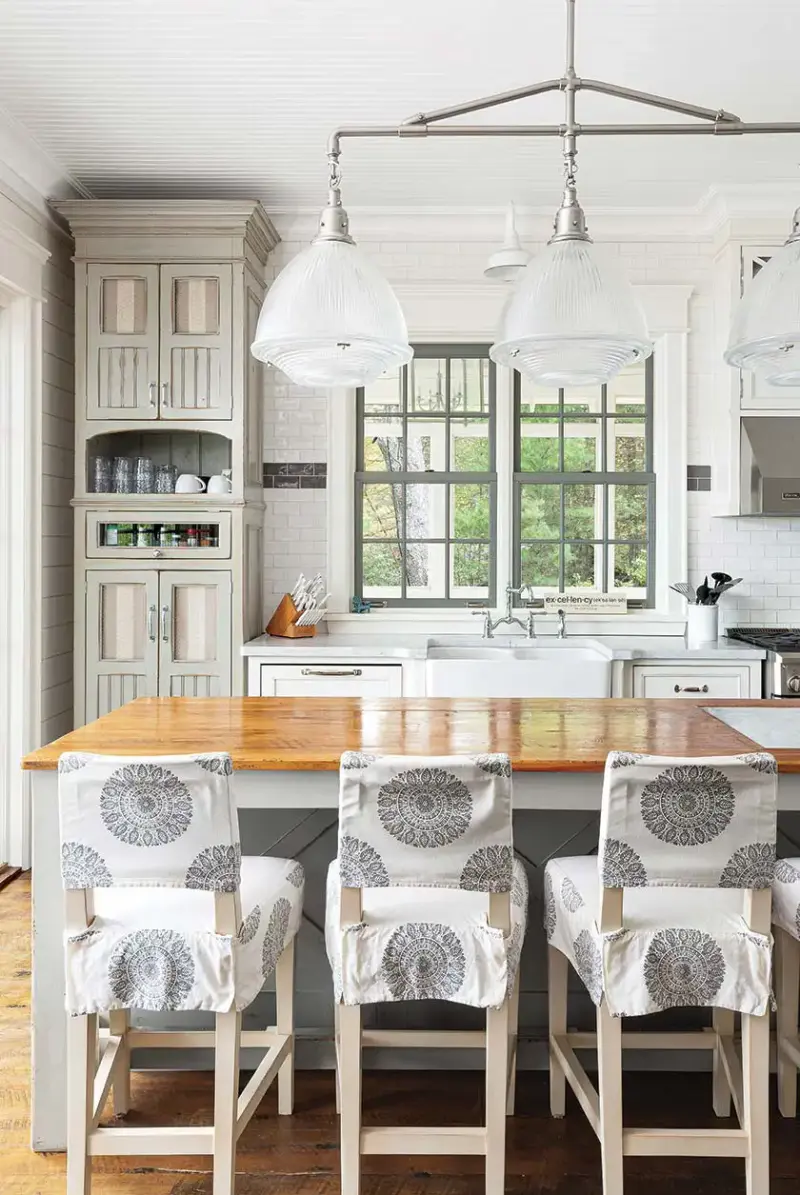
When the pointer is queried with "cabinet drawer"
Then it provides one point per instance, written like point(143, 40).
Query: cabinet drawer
point(331, 680)
point(159, 534)
point(664, 680)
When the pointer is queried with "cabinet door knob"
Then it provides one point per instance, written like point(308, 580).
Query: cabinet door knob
point(691, 689)
point(158, 553)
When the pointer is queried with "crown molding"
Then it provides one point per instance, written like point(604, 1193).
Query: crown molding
point(31, 173)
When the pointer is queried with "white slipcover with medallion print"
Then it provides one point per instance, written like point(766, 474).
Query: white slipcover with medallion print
point(426, 839)
point(670, 827)
point(156, 838)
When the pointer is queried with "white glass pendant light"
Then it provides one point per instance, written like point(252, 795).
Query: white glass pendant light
point(330, 318)
point(765, 336)
point(506, 262)
point(573, 319)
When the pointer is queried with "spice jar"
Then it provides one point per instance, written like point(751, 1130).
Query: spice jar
point(110, 535)
point(191, 537)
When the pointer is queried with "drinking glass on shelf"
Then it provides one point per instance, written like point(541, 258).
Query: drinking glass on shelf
point(166, 476)
point(123, 475)
point(144, 475)
point(100, 475)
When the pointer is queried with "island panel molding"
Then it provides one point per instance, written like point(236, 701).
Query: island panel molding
point(310, 734)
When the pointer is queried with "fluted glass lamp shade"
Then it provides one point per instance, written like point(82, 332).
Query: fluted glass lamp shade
point(572, 320)
point(765, 336)
point(331, 319)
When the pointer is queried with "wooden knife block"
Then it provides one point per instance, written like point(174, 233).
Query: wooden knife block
point(283, 623)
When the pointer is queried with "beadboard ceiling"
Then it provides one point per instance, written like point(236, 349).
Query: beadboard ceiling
point(236, 98)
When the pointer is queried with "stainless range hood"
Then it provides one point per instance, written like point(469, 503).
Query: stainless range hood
point(770, 464)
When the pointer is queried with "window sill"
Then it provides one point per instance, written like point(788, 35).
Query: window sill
point(443, 622)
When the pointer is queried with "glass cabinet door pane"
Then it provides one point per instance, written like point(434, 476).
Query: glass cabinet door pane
point(195, 306)
point(123, 306)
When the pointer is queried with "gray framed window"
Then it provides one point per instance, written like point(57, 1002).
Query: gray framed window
point(584, 486)
point(426, 483)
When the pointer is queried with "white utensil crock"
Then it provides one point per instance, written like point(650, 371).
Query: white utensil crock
point(702, 625)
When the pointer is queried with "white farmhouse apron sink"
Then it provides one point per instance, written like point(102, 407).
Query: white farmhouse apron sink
point(519, 668)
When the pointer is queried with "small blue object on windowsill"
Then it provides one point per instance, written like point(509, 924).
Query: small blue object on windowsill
point(359, 606)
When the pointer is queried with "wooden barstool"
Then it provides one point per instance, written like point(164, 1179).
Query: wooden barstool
point(163, 914)
point(426, 901)
point(786, 924)
point(675, 912)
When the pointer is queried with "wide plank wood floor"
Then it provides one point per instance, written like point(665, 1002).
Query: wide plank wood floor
point(298, 1155)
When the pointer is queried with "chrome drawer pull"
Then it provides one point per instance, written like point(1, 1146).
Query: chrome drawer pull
point(330, 672)
point(151, 624)
point(691, 689)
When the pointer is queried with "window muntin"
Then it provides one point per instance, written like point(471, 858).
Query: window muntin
point(425, 484)
point(584, 486)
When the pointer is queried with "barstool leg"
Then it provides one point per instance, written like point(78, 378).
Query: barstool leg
point(338, 1051)
point(755, 1097)
point(284, 1001)
point(557, 976)
point(497, 1026)
point(513, 1034)
point(787, 991)
point(722, 1020)
point(609, 1074)
point(350, 1086)
point(81, 1055)
point(119, 1024)
point(226, 1096)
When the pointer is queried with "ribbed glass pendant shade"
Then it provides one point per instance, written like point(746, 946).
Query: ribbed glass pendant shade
point(765, 336)
point(331, 319)
point(573, 319)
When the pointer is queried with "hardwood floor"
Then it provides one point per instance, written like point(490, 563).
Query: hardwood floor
point(299, 1156)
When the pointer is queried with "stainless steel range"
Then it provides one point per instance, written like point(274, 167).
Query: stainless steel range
point(782, 665)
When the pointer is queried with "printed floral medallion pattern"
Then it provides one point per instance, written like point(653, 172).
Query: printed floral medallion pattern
point(297, 876)
point(549, 907)
point(688, 805)
point(216, 869)
point(496, 765)
point(423, 961)
point(425, 808)
point(752, 866)
point(489, 869)
point(624, 759)
point(221, 764)
point(759, 761)
point(72, 762)
point(683, 968)
point(151, 969)
point(570, 896)
point(275, 937)
point(621, 867)
point(83, 867)
point(360, 865)
point(249, 927)
point(145, 805)
point(351, 760)
point(589, 964)
point(786, 873)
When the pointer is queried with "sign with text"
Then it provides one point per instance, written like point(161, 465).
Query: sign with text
point(586, 603)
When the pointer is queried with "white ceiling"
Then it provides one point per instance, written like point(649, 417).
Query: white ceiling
point(201, 97)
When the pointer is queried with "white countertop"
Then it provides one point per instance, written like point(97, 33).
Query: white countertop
point(386, 645)
point(773, 729)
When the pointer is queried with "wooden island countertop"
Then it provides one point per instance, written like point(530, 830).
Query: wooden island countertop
point(310, 733)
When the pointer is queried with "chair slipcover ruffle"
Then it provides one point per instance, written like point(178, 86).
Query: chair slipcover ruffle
point(680, 947)
point(151, 948)
point(424, 943)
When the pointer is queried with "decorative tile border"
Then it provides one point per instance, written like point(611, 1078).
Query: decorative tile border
point(293, 475)
point(698, 477)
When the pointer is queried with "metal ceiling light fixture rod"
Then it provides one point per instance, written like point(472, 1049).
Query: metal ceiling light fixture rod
point(315, 327)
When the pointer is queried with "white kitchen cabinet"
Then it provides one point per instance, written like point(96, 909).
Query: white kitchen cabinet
point(158, 341)
point(156, 634)
point(167, 294)
point(194, 634)
point(682, 680)
point(121, 369)
point(330, 680)
point(121, 652)
point(195, 356)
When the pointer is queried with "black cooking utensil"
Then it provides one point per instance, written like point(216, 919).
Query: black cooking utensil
point(703, 592)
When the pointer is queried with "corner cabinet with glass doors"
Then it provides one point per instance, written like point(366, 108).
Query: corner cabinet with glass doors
point(168, 585)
